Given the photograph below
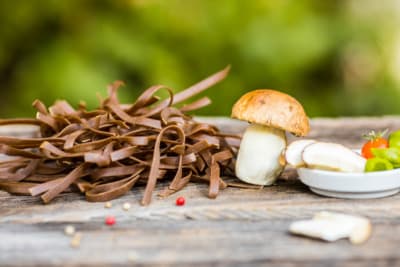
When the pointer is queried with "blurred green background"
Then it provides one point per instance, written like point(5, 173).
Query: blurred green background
point(337, 57)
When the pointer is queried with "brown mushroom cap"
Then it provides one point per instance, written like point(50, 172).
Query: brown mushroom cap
point(273, 109)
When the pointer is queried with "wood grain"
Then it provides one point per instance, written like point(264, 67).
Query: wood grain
point(242, 227)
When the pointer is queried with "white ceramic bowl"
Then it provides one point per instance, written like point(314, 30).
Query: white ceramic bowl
point(351, 185)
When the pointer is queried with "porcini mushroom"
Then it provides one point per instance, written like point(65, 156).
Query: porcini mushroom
point(260, 158)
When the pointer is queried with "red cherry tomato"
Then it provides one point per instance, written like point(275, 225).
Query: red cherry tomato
point(378, 142)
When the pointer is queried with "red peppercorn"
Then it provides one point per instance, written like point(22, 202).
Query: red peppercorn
point(110, 220)
point(180, 201)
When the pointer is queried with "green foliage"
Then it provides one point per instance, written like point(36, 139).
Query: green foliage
point(336, 57)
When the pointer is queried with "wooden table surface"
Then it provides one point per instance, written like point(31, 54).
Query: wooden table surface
point(242, 227)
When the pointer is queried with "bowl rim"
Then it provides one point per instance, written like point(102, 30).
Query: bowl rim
point(352, 174)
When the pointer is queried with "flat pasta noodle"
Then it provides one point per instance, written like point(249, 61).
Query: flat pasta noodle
point(105, 152)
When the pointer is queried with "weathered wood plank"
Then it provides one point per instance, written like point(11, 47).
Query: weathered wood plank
point(195, 242)
point(242, 227)
point(286, 200)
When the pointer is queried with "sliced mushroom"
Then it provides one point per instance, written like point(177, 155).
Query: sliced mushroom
point(361, 227)
point(331, 226)
point(294, 152)
point(321, 229)
point(330, 156)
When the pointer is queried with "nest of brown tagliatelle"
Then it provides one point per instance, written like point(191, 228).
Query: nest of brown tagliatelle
point(106, 151)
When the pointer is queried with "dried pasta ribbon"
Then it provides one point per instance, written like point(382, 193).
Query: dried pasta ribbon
point(155, 165)
point(106, 151)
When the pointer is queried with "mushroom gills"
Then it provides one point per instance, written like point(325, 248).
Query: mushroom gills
point(294, 152)
point(259, 158)
point(330, 156)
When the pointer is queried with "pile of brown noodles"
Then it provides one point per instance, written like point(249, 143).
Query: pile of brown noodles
point(106, 151)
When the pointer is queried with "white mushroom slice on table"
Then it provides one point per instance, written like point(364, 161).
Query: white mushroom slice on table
point(330, 156)
point(361, 226)
point(322, 229)
point(332, 226)
point(294, 152)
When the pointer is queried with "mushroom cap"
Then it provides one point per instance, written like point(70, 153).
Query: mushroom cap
point(274, 109)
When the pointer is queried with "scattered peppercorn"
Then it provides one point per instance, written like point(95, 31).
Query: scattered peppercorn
point(76, 240)
point(126, 206)
point(110, 220)
point(69, 230)
point(180, 201)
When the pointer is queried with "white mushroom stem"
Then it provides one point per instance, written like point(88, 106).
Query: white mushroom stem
point(259, 158)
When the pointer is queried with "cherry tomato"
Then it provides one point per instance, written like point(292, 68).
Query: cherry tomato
point(374, 141)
